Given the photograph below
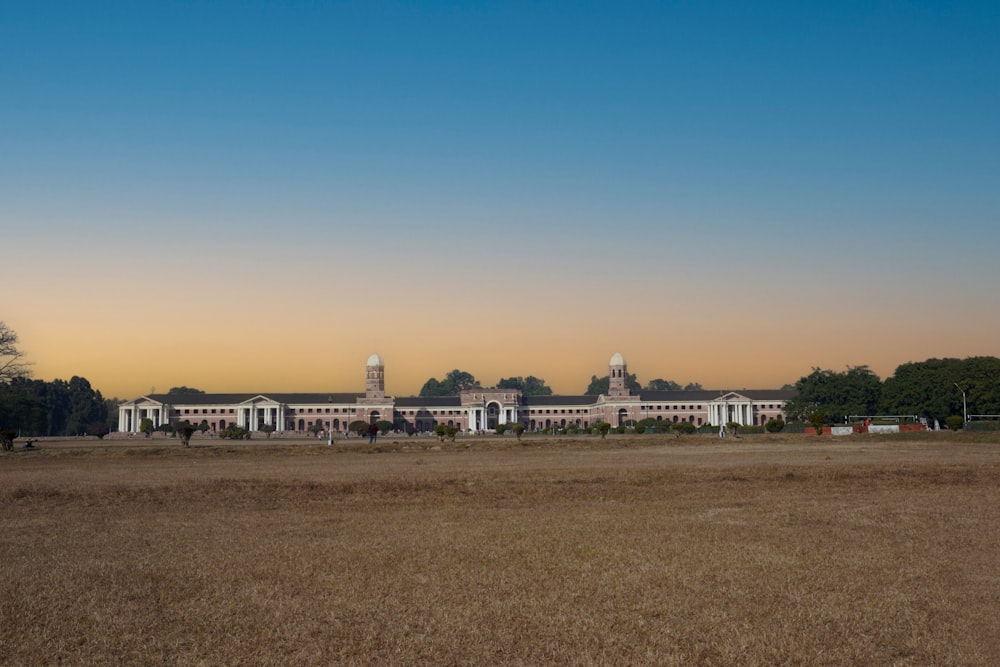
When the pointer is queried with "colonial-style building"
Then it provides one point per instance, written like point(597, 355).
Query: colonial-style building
point(471, 410)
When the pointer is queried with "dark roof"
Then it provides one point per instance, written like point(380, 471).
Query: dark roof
point(456, 401)
point(231, 399)
point(428, 402)
point(200, 399)
point(315, 398)
point(712, 394)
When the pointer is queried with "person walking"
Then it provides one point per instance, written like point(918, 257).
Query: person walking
point(372, 434)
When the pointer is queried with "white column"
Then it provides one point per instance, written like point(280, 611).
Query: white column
point(503, 416)
point(281, 418)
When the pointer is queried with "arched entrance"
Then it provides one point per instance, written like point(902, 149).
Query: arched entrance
point(622, 416)
point(373, 417)
point(492, 415)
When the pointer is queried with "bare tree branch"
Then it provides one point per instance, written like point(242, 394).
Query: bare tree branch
point(11, 364)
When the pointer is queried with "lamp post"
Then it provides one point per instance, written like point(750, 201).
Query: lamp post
point(965, 412)
point(329, 428)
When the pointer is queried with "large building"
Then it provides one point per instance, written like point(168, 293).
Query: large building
point(472, 410)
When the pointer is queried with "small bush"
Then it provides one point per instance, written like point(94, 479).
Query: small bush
point(233, 432)
point(774, 425)
point(954, 422)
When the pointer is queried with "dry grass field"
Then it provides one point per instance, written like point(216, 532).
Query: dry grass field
point(874, 550)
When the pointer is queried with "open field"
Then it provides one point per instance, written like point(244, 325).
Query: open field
point(634, 550)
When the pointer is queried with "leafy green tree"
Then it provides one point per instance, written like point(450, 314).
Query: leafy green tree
point(693, 386)
point(529, 386)
point(316, 428)
point(774, 425)
point(517, 428)
point(146, 426)
point(7, 439)
point(659, 384)
point(267, 430)
point(928, 388)
point(56, 408)
point(816, 419)
point(99, 429)
point(383, 426)
point(856, 391)
point(602, 385)
point(954, 422)
point(501, 429)
point(360, 427)
point(602, 428)
point(686, 428)
point(445, 431)
point(598, 386)
point(184, 391)
point(185, 430)
point(454, 382)
point(86, 406)
point(233, 432)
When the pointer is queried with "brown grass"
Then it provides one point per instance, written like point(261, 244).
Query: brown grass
point(629, 551)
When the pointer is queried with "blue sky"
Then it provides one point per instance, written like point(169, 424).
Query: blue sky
point(808, 152)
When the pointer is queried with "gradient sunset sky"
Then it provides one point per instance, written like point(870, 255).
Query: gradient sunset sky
point(256, 196)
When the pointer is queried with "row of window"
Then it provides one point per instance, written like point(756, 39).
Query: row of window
point(563, 411)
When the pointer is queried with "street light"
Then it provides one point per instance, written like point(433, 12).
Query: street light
point(965, 412)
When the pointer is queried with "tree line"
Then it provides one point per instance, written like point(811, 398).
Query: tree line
point(455, 381)
point(931, 389)
point(55, 408)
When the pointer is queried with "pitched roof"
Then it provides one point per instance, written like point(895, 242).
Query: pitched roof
point(429, 402)
point(710, 395)
point(234, 399)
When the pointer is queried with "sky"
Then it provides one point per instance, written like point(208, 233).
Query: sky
point(256, 196)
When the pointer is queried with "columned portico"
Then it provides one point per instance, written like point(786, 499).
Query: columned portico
point(131, 414)
point(731, 408)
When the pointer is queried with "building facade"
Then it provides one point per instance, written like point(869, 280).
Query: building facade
point(472, 410)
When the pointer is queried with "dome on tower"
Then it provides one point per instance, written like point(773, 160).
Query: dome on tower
point(617, 360)
point(375, 360)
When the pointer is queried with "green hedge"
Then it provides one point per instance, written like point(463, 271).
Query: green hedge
point(983, 426)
